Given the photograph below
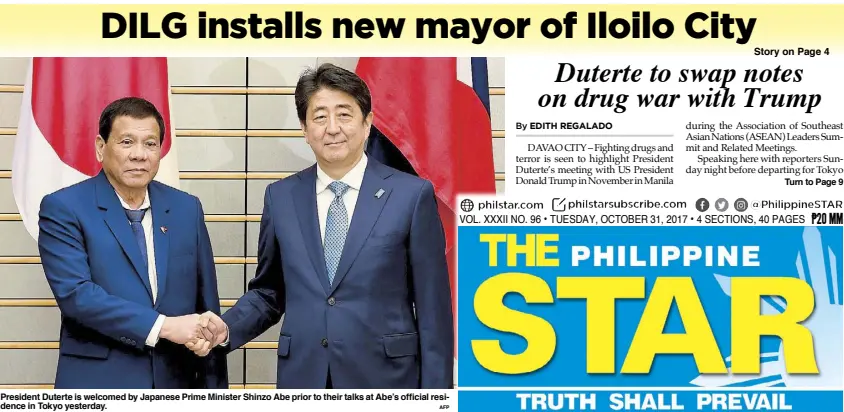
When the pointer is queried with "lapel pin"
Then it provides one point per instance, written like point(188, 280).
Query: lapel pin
point(164, 229)
point(379, 193)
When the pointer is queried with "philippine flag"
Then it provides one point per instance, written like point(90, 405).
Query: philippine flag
point(59, 122)
point(432, 120)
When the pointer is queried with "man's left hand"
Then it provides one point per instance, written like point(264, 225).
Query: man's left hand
point(212, 332)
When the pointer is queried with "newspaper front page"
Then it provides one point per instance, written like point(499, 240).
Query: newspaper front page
point(419, 207)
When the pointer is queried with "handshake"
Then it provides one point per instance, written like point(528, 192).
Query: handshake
point(199, 333)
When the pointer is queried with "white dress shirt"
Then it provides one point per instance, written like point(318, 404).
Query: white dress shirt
point(354, 178)
point(146, 223)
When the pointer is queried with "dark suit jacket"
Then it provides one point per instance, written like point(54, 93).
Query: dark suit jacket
point(96, 272)
point(363, 326)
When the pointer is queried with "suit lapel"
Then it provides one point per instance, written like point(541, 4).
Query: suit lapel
point(367, 210)
point(305, 201)
point(118, 223)
point(160, 219)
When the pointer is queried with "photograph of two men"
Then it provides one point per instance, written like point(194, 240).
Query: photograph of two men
point(354, 271)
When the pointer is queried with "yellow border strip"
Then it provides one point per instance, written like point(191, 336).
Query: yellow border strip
point(26, 386)
point(29, 345)
point(14, 88)
point(55, 345)
point(7, 174)
point(217, 260)
point(47, 303)
point(46, 386)
point(12, 131)
point(13, 217)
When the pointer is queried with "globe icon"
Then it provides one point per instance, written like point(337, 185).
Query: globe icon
point(467, 205)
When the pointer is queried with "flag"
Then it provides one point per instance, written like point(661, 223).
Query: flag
point(432, 120)
point(59, 122)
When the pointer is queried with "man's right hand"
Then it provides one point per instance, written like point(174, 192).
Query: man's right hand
point(213, 329)
point(181, 329)
point(213, 332)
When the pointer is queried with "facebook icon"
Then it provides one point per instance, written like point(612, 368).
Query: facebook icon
point(702, 205)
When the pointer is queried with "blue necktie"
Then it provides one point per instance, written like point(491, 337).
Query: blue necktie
point(135, 218)
point(336, 227)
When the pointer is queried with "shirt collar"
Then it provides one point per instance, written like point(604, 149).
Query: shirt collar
point(354, 178)
point(144, 205)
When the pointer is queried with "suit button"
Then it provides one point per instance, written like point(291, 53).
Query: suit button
point(324, 343)
point(331, 301)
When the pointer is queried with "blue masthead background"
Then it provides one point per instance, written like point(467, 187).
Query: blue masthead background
point(783, 251)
